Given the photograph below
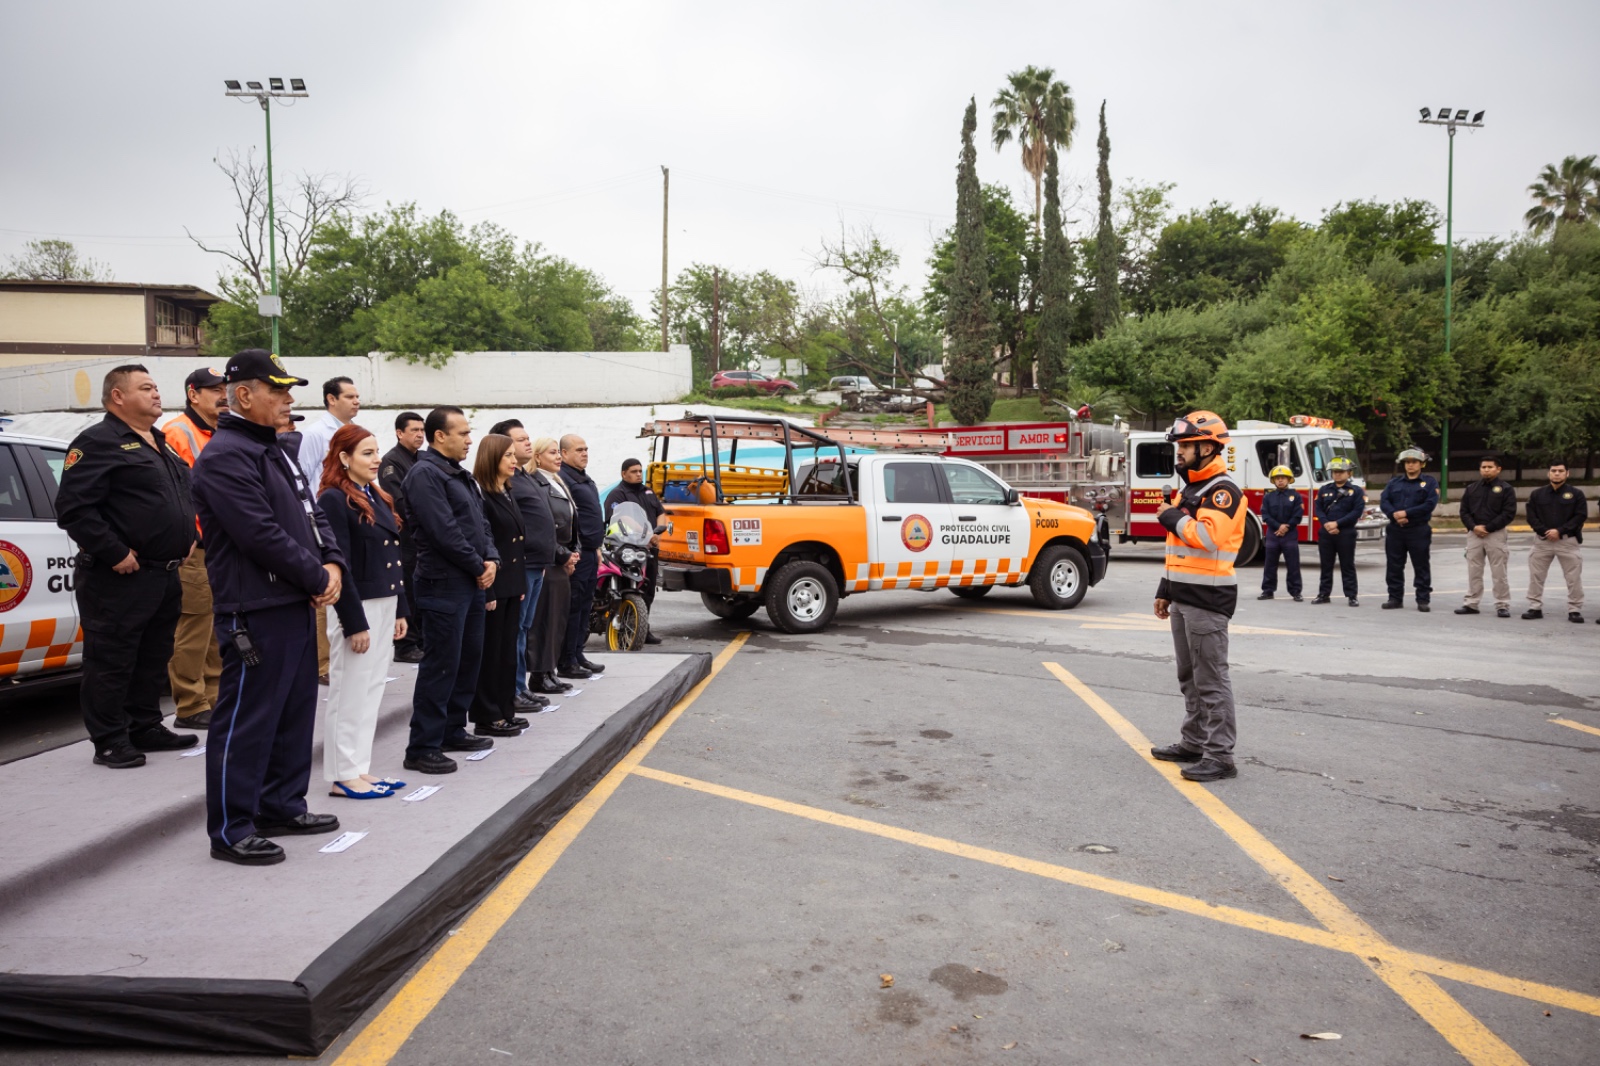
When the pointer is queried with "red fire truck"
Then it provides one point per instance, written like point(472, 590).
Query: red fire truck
point(1125, 475)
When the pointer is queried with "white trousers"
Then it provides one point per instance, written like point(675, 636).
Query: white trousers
point(355, 690)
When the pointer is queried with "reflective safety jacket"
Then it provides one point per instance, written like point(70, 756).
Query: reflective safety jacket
point(1204, 535)
point(187, 435)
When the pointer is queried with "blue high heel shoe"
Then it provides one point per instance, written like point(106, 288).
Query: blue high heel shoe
point(339, 788)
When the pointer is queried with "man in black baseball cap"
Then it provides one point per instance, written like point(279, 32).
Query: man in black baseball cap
point(272, 558)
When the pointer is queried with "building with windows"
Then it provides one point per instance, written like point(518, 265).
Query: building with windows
point(79, 321)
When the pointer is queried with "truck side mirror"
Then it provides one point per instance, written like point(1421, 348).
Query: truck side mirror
point(1013, 497)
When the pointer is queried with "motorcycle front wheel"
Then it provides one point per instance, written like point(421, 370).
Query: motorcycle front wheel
point(630, 623)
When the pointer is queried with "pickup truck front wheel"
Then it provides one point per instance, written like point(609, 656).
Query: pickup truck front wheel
point(802, 597)
point(733, 608)
point(1060, 577)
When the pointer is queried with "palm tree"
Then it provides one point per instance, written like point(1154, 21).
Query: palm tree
point(1570, 194)
point(1038, 111)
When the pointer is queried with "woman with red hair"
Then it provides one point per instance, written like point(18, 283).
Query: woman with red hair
point(373, 601)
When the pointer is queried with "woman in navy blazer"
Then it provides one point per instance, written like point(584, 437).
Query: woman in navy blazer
point(373, 600)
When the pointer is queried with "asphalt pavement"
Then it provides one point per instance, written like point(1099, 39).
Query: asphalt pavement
point(929, 835)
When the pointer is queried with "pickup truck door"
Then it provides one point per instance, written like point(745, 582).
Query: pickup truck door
point(909, 513)
point(990, 537)
point(38, 615)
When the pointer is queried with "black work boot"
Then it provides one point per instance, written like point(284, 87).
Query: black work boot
point(1175, 753)
point(1209, 770)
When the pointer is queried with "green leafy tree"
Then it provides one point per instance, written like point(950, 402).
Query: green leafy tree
point(1404, 230)
point(758, 315)
point(1036, 111)
point(1219, 254)
point(55, 260)
point(970, 371)
point(1055, 290)
point(1107, 294)
point(1569, 193)
point(1011, 266)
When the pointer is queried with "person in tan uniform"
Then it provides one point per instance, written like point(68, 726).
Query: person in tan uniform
point(195, 668)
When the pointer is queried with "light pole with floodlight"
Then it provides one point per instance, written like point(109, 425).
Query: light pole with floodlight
point(270, 305)
point(1449, 121)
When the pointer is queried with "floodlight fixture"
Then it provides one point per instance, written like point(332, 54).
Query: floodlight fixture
point(232, 85)
point(276, 83)
point(1426, 114)
point(253, 86)
point(297, 84)
point(1477, 118)
point(1461, 116)
point(1444, 112)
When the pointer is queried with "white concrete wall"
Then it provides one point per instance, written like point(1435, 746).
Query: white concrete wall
point(471, 379)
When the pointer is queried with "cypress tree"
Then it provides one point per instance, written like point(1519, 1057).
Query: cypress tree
point(1107, 298)
point(1055, 289)
point(967, 320)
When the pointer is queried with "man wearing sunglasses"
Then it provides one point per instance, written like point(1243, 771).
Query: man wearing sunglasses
point(1198, 592)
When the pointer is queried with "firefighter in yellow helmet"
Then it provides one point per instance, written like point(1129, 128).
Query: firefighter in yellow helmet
point(1281, 512)
point(1198, 592)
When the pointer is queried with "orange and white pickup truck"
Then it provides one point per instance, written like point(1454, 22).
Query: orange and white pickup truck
point(823, 523)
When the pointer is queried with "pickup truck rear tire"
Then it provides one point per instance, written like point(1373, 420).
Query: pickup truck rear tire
point(1060, 578)
point(732, 608)
point(802, 597)
point(971, 592)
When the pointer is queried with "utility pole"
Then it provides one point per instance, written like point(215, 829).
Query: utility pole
point(1444, 119)
point(716, 320)
point(664, 178)
point(271, 304)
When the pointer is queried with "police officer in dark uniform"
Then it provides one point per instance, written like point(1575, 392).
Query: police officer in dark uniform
point(272, 558)
point(1340, 505)
point(1409, 500)
point(397, 463)
point(124, 499)
point(632, 489)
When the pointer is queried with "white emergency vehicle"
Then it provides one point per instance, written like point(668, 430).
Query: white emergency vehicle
point(40, 641)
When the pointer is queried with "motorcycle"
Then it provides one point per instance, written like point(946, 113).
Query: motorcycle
point(619, 608)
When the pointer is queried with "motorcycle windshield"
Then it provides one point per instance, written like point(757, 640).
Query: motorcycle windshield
point(629, 525)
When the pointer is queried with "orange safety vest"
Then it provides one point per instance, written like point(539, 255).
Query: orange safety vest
point(186, 437)
point(1203, 540)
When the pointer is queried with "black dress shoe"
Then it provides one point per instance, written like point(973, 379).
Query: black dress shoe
point(1209, 770)
point(502, 728)
point(432, 763)
point(1423, 607)
point(561, 686)
point(1297, 599)
point(466, 743)
point(409, 655)
point(1502, 612)
point(1574, 616)
point(1466, 610)
point(651, 638)
point(160, 738)
point(518, 721)
point(592, 667)
point(1533, 614)
point(1265, 596)
point(305, 824)
point(251, 851)
point(194, 721)
point(1392, 605)
point(574, 671)
point(1175, 753)
point(545, 683)
point(119, 756)
point(1354, 602)
point(1319, 599)
point(530, 701)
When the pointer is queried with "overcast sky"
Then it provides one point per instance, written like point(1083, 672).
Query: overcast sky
point(778, 120)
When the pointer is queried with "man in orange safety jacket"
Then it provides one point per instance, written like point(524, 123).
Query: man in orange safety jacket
point(195, 669)
point(1198, 592)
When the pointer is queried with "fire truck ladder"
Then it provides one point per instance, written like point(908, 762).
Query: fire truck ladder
point(709, 429)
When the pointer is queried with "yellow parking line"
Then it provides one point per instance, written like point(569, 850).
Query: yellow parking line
point(1388, 954)
point(1474, 1040)
point(1570, 724)
point(383, 1037)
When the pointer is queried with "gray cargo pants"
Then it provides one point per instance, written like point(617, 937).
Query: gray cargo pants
point(1200, 637)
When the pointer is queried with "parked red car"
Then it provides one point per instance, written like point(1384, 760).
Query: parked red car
point(729, 379)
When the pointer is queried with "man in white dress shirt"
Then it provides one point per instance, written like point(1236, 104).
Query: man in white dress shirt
point(341, 403)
